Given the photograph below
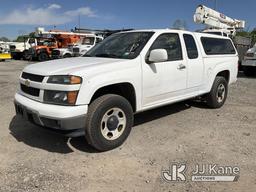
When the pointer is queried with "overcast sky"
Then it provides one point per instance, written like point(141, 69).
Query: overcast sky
point(21, 17)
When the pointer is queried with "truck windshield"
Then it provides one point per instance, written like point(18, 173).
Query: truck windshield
point(88, 41)
point(121, 45)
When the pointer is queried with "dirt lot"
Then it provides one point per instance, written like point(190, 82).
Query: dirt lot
point(33, 159)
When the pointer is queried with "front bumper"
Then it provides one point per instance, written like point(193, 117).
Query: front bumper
point(249, 62)
point(62, 118)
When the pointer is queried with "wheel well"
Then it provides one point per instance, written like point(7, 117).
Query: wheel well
point(225, 74)
point(125, 90)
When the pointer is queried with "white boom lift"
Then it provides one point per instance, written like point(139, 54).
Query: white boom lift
point(41, 31)
point(217, 22)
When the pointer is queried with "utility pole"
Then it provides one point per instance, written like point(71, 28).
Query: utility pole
point(215, 4)
point(79, 23)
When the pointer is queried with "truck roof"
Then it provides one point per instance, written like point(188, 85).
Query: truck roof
point(198, 34)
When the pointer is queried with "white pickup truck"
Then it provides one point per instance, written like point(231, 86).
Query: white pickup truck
point(127, 73)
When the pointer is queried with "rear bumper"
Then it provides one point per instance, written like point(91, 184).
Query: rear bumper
point(59, 118)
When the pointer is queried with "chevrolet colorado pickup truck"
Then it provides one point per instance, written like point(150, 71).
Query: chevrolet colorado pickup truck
point(127, 73)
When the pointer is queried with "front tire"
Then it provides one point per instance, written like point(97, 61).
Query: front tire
point(43, 56)
point(67, 55)
point(218, 95)
point(109, 122)
point(26, 55)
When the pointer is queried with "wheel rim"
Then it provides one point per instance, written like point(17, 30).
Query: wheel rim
point(113, 123)
point(220, 95)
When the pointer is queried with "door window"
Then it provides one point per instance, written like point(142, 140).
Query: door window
point(171, 43)
point(190, 46)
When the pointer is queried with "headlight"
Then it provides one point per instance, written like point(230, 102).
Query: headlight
point(65, 79)
point(60, 97)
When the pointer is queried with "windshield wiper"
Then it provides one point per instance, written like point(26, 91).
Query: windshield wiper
point(106, 55)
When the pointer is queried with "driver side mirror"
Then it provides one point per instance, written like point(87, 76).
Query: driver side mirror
point(158, 55)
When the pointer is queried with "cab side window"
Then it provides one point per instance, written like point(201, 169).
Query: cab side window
point(171, 43)
point(190, 46)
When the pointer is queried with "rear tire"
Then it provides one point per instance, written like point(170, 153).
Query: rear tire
point(218, 94)
point(108, 122)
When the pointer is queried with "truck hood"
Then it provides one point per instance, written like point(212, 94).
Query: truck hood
point(69, 65)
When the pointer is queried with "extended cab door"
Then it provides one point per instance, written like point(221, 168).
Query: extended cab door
point(164, 81)
point(195, 65)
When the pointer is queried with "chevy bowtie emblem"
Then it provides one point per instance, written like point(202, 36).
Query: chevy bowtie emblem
point(27, 83)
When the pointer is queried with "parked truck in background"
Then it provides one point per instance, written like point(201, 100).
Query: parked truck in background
point(86, 42)
point(249, 62)
point(64, 44)
point(128, 72)
point(90, 37)
point(242, 45)
point(41, 51)
point(19, 50)
point(4, 51)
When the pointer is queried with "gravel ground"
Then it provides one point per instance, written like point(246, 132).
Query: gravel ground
point(33, 159)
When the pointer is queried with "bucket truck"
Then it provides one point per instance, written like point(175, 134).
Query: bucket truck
point(219, 24)
point(63, 44)
point(216, 22)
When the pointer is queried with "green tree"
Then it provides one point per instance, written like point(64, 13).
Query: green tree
point(23, 38)
point(4, 39)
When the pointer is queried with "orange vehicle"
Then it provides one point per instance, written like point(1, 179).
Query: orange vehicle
point(47, 41)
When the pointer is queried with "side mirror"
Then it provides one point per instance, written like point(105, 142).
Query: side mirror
point(158, 55)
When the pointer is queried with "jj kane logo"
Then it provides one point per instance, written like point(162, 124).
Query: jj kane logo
point(201, 172)
point(176, 172)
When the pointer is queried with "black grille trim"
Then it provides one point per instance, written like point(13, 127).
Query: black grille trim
point(56, 52)
point(76, 49)
point(30, 90)
point(32, 77)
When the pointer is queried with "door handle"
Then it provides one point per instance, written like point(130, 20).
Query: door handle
point(181, 66)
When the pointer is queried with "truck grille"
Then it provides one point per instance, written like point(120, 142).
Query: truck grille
point(32, 77)
point(30, 90)
point(12, 48)
point(76, 50)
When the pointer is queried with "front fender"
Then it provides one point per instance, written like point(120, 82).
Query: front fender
point(91, 85)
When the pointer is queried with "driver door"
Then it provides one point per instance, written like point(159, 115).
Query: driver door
point(164, 81)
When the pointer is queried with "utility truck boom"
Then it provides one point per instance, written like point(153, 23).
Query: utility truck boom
point(217, 21)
